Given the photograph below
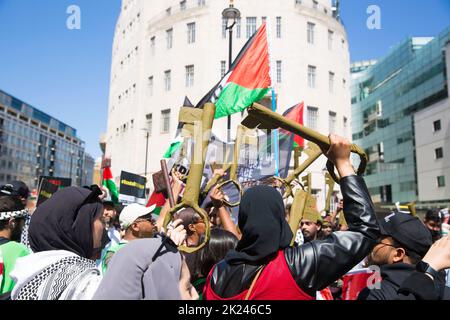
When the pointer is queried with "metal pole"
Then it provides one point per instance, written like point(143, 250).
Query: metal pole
point(71, 161)
point(146, 154)
point(230, 61)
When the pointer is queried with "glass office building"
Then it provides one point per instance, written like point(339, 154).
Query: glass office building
point(34, 144)
point(385, 96)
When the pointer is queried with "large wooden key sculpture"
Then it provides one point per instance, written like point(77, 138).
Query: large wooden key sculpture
point(199, 122)
point(264, 118)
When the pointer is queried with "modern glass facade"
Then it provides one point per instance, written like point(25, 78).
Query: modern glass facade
point(384, 98)
point(34, 144)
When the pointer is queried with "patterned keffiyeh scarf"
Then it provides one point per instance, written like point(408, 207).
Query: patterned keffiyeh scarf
point(60, 280)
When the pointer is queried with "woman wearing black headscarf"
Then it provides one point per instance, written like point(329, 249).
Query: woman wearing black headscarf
point(264, 267)
point(65, 235)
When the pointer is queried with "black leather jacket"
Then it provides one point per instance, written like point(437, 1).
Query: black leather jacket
point(317, 264)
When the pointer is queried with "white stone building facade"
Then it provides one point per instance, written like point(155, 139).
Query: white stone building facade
point(166, 50)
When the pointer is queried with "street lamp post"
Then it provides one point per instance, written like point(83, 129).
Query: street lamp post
point(71, 162)
point(147, 136)
point(230, 13)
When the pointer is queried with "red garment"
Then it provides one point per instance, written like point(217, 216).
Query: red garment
point(325, 294)
point(274, 283)
point(354, 284)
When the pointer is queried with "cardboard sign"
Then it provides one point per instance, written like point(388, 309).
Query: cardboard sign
point(46, 191)
point(132, 188)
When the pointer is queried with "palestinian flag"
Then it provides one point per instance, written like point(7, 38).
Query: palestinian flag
point(158, 200)
point(295, 114)
point(247, 81)
point(174, 146)
point(178, 141)
point(108, 182)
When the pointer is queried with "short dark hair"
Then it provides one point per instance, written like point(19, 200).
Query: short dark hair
point(188, 216)
point(433, 215)
point(9, 203)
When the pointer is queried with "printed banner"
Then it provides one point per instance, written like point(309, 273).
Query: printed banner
point(132, 188)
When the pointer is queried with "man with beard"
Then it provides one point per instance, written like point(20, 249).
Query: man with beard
point(433, 223)
point(12, 220)
point(137, 223)
point(403, 243)
point(311, 225)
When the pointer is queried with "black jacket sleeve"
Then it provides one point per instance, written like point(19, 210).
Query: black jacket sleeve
point(317, 264)
point(422, 287)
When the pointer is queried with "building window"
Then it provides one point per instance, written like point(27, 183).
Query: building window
point(201, 3)
point(223, 68)
point(439, 152)
point(330, 39)
point(149, 118)
point(311, 76)
point(441, 181)
point(279, 27)
point(251, 26)
point(167, 80)
point(263, 20)
point(150, 85)
point(311, 27)
point(238, 28)
point(169, 38)
point(331, 81)
point(152, 45)
point(191, 32)
point(332, 122)
point(437, 125)
point(312, 117)
point(279, 79)
point(224, 28)
point(165, 121)
point(183, 5)
point(189, 76)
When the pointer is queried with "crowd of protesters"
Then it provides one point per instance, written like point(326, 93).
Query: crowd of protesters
point(79, 245)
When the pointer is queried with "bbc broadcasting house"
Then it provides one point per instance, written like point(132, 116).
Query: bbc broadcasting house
point(166, 50)
point(401, 117)
point(34, 144)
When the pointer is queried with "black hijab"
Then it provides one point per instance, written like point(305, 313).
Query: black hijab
point(263, 226)
point(65, 221)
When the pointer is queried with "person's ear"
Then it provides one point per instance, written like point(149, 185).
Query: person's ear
point(398, 255)
point(12, 224)
point(135, 227)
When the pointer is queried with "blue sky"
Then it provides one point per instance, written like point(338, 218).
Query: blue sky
point(66, 72)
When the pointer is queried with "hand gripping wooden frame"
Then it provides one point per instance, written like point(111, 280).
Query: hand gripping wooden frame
point(263, 118)
point(200, 122)
point(233, 170)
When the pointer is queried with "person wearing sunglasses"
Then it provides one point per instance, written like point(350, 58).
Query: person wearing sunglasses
point(403, 243)
point(137, 223)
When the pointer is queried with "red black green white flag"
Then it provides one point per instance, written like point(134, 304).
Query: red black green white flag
point(248, 79)
point(108, 182)
point(295, 114)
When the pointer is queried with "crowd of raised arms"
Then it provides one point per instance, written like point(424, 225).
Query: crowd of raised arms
point(79, 245)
